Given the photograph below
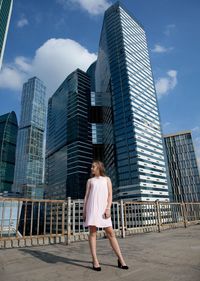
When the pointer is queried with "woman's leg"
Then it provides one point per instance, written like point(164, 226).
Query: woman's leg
point(114, 243)
point(92, 242)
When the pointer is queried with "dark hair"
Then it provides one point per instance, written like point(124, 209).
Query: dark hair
point(101, 167)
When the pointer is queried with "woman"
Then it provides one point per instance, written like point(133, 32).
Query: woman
point(97, 212)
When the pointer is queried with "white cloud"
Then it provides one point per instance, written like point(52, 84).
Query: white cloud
point(57, 58)
point(196, 129)
point(23, 64)
point(93, 7)
point(22, 22)
point(52, 62)
point(60, 22)
point(38, 18)
point(169, 29)
point(166, 84)
point(161, 49)
point(11, 78)
point(166, 124)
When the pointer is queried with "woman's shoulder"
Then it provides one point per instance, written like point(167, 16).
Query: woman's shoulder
point(90, 180)
point(108, 179)
point(94, 178)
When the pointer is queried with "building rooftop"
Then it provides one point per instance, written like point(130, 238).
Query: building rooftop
point(170, 255)
point(177, 134)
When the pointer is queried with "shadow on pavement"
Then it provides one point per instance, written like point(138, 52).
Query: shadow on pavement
point(51, 258)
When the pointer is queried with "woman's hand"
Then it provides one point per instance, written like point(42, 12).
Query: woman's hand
point(107, 213)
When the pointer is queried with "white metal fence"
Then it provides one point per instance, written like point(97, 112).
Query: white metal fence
point(25, 222)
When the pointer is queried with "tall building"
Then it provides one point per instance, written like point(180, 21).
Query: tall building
point(96, 116)
point(123, 119)
point(183, 169)
point(69, 138)
point(8, 138)
point(5, 15)
point(28, 176)
point(123, 73)
point(101, 119)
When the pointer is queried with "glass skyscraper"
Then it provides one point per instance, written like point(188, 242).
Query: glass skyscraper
point(5, 14)
point(183, 169)
point(69, 138)
point(30, 141)
point(132, 128)
point(8, 138)
point(101, 119)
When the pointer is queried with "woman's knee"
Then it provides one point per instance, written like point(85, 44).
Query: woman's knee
point(110, 233)
point(93, 231)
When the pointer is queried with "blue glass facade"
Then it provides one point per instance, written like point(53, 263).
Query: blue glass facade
point(183, 169)
point(5, 14)
point(101, 119)
point(69, 138)
point(8, 139)
point(132, 133)
point(30, 141)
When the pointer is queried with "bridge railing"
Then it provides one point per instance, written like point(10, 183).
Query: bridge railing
point(25, 222)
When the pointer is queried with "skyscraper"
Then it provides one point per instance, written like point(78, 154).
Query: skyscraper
point(96, 116)
point(123, 71)
point(183, 169)
point(101, 119)
point(5, 15)
point(29, 152)
point(8, 138)
point(69, 139)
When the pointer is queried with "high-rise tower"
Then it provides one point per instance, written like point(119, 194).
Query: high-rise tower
point(123, 71)
point(69, 139)
point(8, 139)
point(5, 15)
point(30, 141)
point(183, 169)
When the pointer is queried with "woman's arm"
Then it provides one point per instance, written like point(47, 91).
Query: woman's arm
point(86, 197)
point(109, 200)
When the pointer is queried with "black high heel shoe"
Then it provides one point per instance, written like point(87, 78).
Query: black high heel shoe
point(122, 266)
point(96, 268)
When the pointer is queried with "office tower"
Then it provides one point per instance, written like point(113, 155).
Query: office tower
point(96, 116)
point(28, 177)
point(183, 169)
point(123, 73)
point(69, 139)
point(5, 15)
point(102, 128)
point(8, 138)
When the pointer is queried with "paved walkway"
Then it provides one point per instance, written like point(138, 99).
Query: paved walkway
point(171, 255)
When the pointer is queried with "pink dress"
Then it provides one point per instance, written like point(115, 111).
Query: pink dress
point(97, 202)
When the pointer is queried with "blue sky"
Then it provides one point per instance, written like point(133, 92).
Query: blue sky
point(50, 39)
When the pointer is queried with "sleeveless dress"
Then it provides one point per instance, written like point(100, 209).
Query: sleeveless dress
point(97, 202)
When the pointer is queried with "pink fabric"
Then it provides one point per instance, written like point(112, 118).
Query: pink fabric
point(97, 202)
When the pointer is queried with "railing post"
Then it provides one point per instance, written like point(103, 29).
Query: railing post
point(63, 218)
point(158, 215)
point(25, 214)
point(2, 217)
point(184, 214)
point(122, 218)
point(68, 220)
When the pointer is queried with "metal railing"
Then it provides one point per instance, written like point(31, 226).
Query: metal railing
point(25, 222)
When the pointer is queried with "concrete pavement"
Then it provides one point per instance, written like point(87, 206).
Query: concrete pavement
point(171, 255)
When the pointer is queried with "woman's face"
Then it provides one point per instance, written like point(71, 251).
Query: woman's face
point(95, 169)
